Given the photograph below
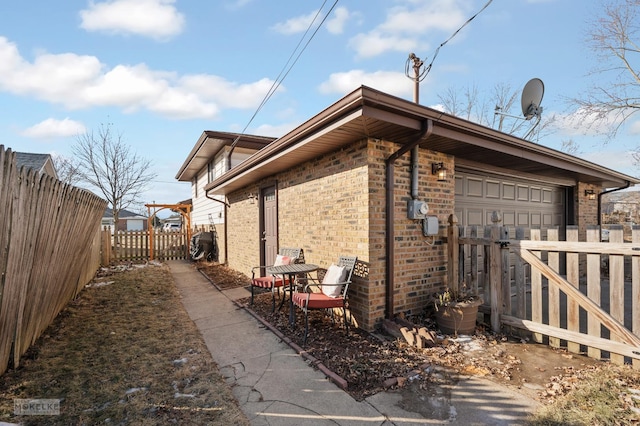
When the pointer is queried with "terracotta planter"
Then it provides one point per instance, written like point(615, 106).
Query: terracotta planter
point(459, 317)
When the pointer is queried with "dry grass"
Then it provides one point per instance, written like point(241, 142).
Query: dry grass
point(123, 353)
point(599, 396)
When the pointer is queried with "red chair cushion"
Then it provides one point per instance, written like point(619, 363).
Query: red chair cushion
point(267, 282)
point(317, 301)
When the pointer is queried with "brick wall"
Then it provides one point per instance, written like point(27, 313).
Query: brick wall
point(243, 231)
point(420, 262)
point(335, 205)
point(586, 210)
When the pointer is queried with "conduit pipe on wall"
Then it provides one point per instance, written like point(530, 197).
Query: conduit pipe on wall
point(427, 129)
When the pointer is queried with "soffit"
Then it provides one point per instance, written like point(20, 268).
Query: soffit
point(209, 144)
point(367, 113)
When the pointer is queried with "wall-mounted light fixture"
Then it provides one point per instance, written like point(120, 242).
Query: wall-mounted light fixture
point(252, 197)
point(439, 170)
point(590, 194)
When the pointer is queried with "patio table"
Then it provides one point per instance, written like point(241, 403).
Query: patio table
point(292, 271)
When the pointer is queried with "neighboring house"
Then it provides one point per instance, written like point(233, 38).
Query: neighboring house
point(352, 180)
point(207, 161)
point(127, 221)
point(42, 163)
point(621, 207)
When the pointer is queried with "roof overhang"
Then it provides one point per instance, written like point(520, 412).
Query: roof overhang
point(368, 113)
point(210, 143)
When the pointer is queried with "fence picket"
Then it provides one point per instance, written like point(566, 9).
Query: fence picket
point(47, 252)
point(536, 289)
point(594, 326)
point(573, 276)
point(616, 285)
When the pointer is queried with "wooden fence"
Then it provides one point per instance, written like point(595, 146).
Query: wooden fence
point(136, 246)
point(580, 295)
point(49, 250)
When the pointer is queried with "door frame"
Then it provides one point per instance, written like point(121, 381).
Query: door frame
point(265, 192)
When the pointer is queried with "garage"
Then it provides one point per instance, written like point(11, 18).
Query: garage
point(528, 204)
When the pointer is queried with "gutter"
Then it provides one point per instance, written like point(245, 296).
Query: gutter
point(427, 130)
point(607, 192)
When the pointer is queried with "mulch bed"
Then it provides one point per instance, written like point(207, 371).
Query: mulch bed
point(368, 362)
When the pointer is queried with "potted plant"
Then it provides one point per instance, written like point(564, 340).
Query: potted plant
point(456, 311)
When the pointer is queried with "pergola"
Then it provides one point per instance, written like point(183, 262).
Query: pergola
point(183, 209)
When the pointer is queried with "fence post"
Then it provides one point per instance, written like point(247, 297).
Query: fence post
point(635, 289)
point(495, 273)
point(505, 271)
point(453, 253)
point(105, 238)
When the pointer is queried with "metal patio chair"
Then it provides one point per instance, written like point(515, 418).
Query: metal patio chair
point(328, 294)
point(286, 255)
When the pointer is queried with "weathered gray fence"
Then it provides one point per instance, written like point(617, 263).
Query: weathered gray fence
point(582, 295)
point(49, 250)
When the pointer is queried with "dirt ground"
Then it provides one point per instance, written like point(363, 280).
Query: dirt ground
point(373, 362)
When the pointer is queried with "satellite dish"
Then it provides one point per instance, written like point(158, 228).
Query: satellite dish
point(531, 98)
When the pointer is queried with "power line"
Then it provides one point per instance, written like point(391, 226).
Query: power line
point(421, 76)
point(278, 81)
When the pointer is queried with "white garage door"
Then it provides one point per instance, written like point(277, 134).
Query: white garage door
point(521, 203)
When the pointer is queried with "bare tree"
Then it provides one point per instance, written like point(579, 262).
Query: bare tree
point(66, 169)
point(614, 40)
point(108, 164)
point(500, 110)
point(570, 147)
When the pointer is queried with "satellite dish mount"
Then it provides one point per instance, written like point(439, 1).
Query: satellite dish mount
point(531, 98)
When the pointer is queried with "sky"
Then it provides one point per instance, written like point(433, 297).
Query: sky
point(161, 72)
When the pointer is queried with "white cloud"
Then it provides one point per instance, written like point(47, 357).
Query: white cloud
point(405, 24)
point(275, 131)
point(376, 43)
point(157, 19)
point(80, 82)
point(581, 123)
point(295, 25)
point(227, 93)
point(340, 18)
point(613, 159)
point(395, 83)
point(52, 128)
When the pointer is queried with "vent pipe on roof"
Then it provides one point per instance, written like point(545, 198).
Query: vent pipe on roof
point(427, 129)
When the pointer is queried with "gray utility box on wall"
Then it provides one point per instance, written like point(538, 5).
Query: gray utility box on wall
point(430, 226)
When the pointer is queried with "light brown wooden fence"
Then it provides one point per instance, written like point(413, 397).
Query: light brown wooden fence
point(49, 250)
point(584, 296)
point(136, 246)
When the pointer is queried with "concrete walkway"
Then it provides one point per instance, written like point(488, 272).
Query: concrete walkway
point(276, 386)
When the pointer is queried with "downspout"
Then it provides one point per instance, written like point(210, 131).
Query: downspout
point(427, 129)
point(607, 192)
point(226, 206)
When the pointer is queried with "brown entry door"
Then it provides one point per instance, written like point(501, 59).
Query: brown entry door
point(269, 225)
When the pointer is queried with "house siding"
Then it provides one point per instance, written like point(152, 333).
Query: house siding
point(335, 205)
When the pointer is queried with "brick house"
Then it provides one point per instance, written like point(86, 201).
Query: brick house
point(351, 181)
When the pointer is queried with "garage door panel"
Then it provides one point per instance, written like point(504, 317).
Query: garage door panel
point(474, 217)
point(536, 195)
point(521, 203)
point(474, 187)
point(508, 191)
point(523, 193)
point(523, 219)
point(509, 218)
